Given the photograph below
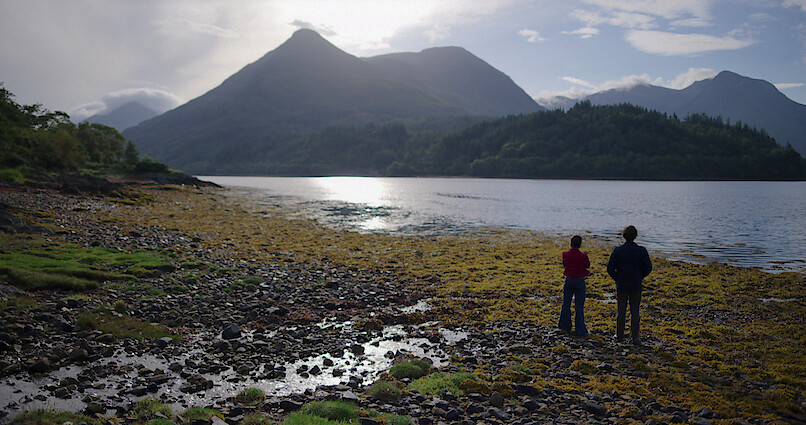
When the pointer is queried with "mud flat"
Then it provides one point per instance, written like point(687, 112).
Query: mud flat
point(188, 296)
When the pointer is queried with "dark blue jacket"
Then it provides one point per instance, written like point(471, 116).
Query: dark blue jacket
point(628, 265)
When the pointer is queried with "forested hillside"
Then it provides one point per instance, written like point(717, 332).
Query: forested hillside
point(622, 141)
point(34, 141)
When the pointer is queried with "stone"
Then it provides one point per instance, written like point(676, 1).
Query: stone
point(594, 408)
point(78, 355)
point(496, 399)
point(40, 366)
point(290, 405)
point(499, 414)
point(231, 332)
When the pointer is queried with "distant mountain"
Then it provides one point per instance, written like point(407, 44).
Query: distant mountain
point(307, 84)
point(125, 116)
point(756, 103)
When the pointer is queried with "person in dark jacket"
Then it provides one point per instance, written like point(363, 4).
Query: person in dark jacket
point(629, 264)
point(576, 264)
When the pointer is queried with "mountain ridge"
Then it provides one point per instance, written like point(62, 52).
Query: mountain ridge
point(306, 84)
point(729, 95)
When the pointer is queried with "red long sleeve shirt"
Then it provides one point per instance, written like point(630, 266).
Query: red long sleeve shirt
point(576, 263)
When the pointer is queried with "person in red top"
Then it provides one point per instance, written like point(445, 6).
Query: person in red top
point(576, 264)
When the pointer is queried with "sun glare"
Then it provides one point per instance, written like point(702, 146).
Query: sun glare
point(355, 190)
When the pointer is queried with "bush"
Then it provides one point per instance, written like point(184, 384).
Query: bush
point(438, 382)
point(412, 369)
point(332, 410)
point(385, 391)
point(250, 396)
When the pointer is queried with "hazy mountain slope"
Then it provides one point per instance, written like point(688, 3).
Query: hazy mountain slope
point(124, 116)
point(729, 95)
point(460, 78)
point(305, 84)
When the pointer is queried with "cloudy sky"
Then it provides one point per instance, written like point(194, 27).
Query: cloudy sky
point(81, 56)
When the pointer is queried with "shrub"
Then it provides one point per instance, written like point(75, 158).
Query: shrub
point(412, 369)
point(250, 396)
point(385, 391)
point(438, 382)
point(332, 410)
point(50, 417)
point(584, 367)
point(203, 413)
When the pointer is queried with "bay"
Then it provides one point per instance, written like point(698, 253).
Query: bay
point(750, 224)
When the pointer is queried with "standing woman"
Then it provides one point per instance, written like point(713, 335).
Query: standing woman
point(576, 264)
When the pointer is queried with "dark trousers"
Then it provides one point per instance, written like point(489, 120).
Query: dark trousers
point(634, 300)
point(573, 288)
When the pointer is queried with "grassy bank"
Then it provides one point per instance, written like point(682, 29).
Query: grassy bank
point(716, 343)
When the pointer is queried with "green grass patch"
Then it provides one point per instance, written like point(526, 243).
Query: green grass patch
point(250, 396)
point(438, 382)
point(411, 369)
point(338, 413)
point(37, 265)
point(257, 419)
point(148, 408)
point(51, 417)
point(385, 391)
point(122, 326)
point(13, 176)
point(203, 413)
point(14, 303)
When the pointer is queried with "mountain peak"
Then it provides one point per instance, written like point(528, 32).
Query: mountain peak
point(304, 34)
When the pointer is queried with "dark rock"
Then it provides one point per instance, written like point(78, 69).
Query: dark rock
point(594, 408)
point(78, 355)
point(369, 421)
point(496, 399)
point(95, 408)
point(290, 405)
point(452, 414)
point(40, 366)
point(499, 414)
point(526, 390)
point(357, 349)
point(231, 332)
point(705, 413)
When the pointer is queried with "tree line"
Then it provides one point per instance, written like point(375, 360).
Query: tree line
point(614, 141)
point(34, 140)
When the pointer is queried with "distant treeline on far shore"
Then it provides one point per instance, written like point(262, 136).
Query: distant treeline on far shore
point(585, 142)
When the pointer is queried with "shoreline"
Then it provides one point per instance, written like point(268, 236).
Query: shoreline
point(710, 340)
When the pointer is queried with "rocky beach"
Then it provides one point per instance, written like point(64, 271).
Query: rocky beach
point(188, 296)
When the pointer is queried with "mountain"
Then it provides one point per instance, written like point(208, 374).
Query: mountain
point(307, 84)
point(756, 103)
point(124, 116)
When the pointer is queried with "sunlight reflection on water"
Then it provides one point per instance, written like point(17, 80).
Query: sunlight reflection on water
point(755, 224)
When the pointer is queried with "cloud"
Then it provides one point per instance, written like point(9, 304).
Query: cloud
point(532, 36)
point(675, 44)
point(663, 8)
point(187, 27)
point(784, 86)
point(619, 19)
point(796, 3)
point(687, 78)
point(586, 32)
point(324, 30)
point(579, 82)
point(583, 88)
point(154, 99)
point(438, 32)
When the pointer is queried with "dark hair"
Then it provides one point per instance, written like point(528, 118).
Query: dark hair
point(629, 233)
point(576, 241)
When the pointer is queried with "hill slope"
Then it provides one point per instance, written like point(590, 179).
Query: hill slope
point(729, 95)
point(124, 116)
point(306, 84)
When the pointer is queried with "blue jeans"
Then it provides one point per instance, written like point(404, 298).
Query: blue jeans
point(573, 288)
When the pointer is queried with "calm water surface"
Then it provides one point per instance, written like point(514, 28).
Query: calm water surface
point(757, 224)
